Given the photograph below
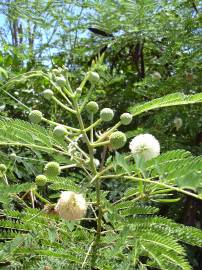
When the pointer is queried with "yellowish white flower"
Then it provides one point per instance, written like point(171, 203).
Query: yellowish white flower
point(71, 205)
point(145, 145)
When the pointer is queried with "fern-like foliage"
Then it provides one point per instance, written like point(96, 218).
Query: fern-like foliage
point(134, 236)
point(166, 101)
point(139, 235)
point(8, 192)
point(177, 167)
point(32, 235)
point(35, 137)
point(173, 168)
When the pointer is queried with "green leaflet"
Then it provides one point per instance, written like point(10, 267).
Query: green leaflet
point(166, 101)
point(35, 137)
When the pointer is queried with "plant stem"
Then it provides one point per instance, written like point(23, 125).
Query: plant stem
point(42, 148)
point(91, 130)
point(5, 179)
point(164, 185)
point(63, 106)
point(106, 134)
point(101, 144)
point(97, 182)
point(87, 254)
point(140, 184)
point(68, 166)
point(56, 124)
point(93, 125)
point(59, 90)
point(40, 197)
point(77, 147)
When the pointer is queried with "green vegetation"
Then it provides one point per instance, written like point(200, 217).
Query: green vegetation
point(100, 135)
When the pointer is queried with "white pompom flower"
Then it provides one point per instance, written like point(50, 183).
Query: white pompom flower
point(71, 205)
point(145, 145)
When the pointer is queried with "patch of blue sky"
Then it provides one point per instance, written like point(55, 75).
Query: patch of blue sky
point(2, 20)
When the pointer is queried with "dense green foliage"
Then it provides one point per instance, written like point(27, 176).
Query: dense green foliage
point(140, 57)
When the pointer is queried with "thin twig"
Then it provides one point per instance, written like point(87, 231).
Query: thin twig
point(87, 254)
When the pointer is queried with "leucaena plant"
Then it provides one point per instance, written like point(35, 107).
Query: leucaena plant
point(125, 229)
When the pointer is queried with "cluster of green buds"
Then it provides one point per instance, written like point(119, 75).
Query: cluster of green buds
point(58, 76)
point(83, 137)
point(51, 169)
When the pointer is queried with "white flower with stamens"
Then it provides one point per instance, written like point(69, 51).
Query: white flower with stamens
point(71, 205)
point(145, 145)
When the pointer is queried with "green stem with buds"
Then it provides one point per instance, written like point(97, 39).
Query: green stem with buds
point(59, 90)
point(91, 147)
point(56, 124)
point(106, 134)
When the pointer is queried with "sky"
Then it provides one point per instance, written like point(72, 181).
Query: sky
point(2, 20)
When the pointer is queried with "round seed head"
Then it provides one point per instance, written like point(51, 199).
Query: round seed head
point(41, 180)
point(35, 116)
point(93, 77)
point(117, 140)
point(126, 118)
point(92, 107)
point(106, 114)
point(59, 131)
point(52, 169)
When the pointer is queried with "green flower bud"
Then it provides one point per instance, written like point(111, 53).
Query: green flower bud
point(52, 169)
point(61, 81)
point(117, 139)
point(92, 107)
point(13, 156)
point(78, 92)
point(126, 118)
point(3, 168)
point(93, 76)
point(106, 114)
point(48, 94)
point(41, 180)
point(59, 131)
point(35, 116)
